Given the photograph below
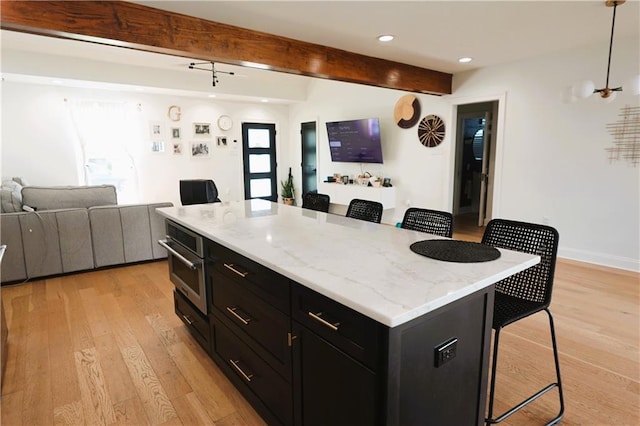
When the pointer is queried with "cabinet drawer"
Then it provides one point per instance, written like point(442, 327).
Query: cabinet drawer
point(269, 285)
point(247, 314)
point(194, 320)
point(274, 392)
point(359, 336)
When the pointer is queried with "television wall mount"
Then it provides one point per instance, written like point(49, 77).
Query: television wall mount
point(214, 74)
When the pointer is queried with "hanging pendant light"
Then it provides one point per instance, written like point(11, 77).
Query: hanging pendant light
point(606, 91)
point(213, 71)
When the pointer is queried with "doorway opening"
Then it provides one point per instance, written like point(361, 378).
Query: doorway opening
point(475, 163)
point(309, 157)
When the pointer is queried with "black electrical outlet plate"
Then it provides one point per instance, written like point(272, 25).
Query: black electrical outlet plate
point(445, 352)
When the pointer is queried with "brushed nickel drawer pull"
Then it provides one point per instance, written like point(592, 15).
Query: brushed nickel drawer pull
point(290, 338)
point(246, 376)
point(233, 312)
point(178, 256)
point(231, 267)
point(187, 319)
point(317, 316)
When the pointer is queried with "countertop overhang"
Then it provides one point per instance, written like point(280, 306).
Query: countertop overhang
point(366, 266)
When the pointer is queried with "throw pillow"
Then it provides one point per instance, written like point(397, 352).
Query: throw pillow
point(10, 201)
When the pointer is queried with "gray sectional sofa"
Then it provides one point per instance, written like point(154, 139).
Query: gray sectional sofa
point(73, 229)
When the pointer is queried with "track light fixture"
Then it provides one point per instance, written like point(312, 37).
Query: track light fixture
point(606, 91)
point(212, 70)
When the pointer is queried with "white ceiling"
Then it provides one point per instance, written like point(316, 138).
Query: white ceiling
point(429, 34)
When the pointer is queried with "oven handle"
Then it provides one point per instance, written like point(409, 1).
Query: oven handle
point(180, 257)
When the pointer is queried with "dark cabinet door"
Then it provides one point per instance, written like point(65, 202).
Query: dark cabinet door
point(332, 388)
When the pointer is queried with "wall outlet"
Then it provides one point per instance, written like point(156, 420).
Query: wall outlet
point(445, 352)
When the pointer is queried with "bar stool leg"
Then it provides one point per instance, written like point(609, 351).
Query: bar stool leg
point(496, 338)
point(557, 419)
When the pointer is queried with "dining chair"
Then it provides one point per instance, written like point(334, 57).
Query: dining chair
point(431, 221)
point(198, 191)
point(522, 295)
point(370, 211)
point(315, 201)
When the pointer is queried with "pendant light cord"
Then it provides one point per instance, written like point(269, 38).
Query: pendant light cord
point(613, 24)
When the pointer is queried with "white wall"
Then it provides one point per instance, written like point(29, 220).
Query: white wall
point(420, 175)
point(39, 142)
point(553, 159)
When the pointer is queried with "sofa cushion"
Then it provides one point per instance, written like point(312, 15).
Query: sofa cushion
point(106, 236)
point(13, 267)
point(41, 243)
point(11, 197)
point(158, 229)
point(67, 197)
point(136, 233)
point(74, 231)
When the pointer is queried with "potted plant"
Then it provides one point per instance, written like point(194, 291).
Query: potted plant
point(287, 190)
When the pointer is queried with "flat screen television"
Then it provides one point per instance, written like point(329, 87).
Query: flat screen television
point(355, 141)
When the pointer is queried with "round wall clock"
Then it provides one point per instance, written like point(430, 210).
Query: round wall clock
point(225, 122)
point(431, 131)
point(407, 111)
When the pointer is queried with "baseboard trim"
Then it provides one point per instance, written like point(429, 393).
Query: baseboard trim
point(619, 262)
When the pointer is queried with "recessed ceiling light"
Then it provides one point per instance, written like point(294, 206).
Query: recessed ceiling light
point(265, 100)
point(385, 37)
point(465, 60)
point(211, 96)
point(56, 81)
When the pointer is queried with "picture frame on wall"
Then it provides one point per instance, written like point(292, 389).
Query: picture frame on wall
point(200, 149)
point(175, 133)
point(177, 148)
point(155, 129)
point(157, 146)
point(202, 130)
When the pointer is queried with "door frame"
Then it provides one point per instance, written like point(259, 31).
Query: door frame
point(498, 148)
point(273, 131)
point(302, 175)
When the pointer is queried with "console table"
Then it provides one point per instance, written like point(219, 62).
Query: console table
point(320, 319)
point(343, 194)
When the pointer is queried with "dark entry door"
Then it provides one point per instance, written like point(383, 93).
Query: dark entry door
point(309, 157)
point(259, 160)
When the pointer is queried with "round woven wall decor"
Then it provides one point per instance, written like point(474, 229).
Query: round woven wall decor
point(407, 111)
point(431, 131)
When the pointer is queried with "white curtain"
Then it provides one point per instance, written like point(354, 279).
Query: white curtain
point(106, 133)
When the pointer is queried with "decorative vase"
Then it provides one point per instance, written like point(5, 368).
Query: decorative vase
point(288, 201)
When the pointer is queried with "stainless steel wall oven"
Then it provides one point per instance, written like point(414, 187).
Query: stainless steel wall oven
point(185, 251)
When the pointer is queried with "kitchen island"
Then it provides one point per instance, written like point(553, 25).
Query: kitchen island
point(322, 319)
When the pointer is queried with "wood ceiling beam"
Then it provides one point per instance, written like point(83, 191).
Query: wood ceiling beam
point(134, 26)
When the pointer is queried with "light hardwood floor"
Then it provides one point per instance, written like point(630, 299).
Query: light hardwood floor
point(105, 347)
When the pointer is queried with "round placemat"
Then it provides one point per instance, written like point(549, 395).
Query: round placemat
point(455, 251)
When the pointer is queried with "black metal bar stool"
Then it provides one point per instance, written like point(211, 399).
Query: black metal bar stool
point(522, 295)
point(370, 211)
point(315, 201)
point(431, 221)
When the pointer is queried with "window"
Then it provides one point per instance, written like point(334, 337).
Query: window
point(105, 131)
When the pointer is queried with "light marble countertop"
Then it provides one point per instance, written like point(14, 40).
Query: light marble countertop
point(365, 266)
